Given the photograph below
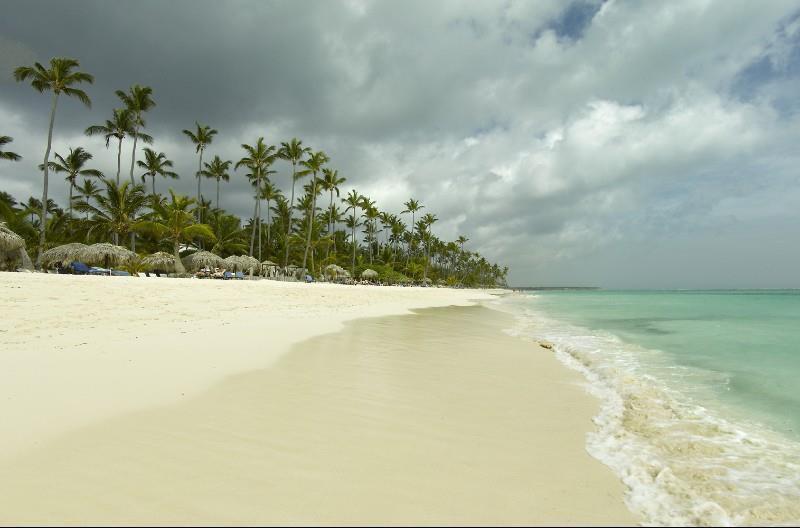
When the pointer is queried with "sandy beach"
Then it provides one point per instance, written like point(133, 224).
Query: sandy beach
point(149, 401)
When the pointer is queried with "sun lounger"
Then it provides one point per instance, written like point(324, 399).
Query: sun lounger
point(79, 268)
point(240, 275)
point(119, 273)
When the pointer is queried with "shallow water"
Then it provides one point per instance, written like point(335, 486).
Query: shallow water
point(700, 396)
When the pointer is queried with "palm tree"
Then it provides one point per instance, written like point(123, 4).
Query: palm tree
point(138, 100)
point(59, 78)
point(353, 201)
point(258, 160)
point(88, 191)
point(371, 214)
point(6, 155)
point(118, 209)
point(230, 237)
point(424, 228)
point(461, 240)
point(313, 165)
point(117, 127)
point(412, 206)
point(156, 164)
point(201, 139)
point(292, 151)
point(173, 220)
point(73, 166)
point(330, 182)
point(269, 192)
point(217, 170)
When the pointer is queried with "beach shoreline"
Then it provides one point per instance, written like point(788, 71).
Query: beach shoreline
point(173, 390)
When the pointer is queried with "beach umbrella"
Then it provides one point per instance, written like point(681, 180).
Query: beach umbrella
point(242, 263)
point(12, 248)
point(160, 260)
point(269, 264)
point(369, 274)
point(106, 254)
point(65, 253)
point(9, 240)
point(203, 259)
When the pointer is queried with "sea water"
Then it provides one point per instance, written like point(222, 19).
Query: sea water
point(700, 392)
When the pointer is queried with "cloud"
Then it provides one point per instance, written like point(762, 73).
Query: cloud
point(554, 135)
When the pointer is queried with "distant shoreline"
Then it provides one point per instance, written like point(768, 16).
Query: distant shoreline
point(542, 288)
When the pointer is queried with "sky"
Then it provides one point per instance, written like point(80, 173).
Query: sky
point(621, 144)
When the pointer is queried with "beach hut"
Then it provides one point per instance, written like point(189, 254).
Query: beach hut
point(293, 271)
point(269, 269)
point(369, 274)
point(160, 261)
point(65, 254)
point(105, 254)
point(12, 249)
point(203, 259)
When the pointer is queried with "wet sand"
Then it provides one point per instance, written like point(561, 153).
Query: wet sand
point(434, 418)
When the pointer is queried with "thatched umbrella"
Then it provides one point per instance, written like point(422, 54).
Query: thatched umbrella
point(9, 240)
point(161, 261)
point(12, 248)
point(66, 253)
point(203, 259)
point(242, 263)
point(369, 274)
point(106, 254)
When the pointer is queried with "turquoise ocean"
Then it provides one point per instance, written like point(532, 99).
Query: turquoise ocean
point(699, 391)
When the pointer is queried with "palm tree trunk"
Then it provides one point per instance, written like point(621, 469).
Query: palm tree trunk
point(178, 264)
point(71, 185)
point(289, 226)
point(133, 182)
point(258, 201)
point(119, 159)
point(253, 233)
point(42, 228)
point(353, 267)
point(133, 153)
point(269, 226)
point(199, 168)
point(330, 228)
point(217, 192)
point(311, 218)
point(154, 185)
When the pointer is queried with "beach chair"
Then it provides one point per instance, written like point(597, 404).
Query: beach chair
point(79, 268)
point(227, 275)
point(240, 275)
point(119, 273)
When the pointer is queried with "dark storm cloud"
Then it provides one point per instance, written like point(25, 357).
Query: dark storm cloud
point(553, 134)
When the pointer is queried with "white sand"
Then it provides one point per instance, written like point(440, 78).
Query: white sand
point(74, 349)
point(157, 401)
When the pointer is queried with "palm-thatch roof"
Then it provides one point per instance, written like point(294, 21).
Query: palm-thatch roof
point(336, 272)
point(369, 274)
point(203, 259)
point(242, 263)
point(65, 253)
point(10, 242)
point(106, 254)
point(161, 261)
point(269, 263)
point(12, 250)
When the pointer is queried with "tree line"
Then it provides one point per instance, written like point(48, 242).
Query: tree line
point(311, 227)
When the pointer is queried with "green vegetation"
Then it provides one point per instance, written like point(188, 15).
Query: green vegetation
point(311, 229)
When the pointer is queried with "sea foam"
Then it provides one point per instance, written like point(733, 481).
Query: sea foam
point(681, 462)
